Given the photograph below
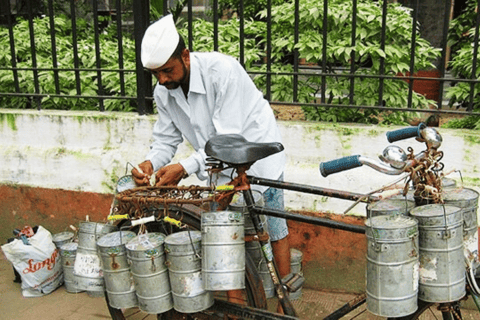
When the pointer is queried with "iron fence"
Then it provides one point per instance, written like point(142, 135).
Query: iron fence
point(129, 19)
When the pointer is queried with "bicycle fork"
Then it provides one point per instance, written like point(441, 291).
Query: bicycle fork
point(267, 252)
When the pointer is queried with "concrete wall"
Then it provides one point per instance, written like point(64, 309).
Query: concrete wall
point(89, 151)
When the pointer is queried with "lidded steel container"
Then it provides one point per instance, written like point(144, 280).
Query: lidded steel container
point(116, 269)
point(150, 274)
point(392, 265)
point(223, 250)
point(88, 265)
point(467, 200)
point(68, 251)
point(184, 265)
point(442, 266)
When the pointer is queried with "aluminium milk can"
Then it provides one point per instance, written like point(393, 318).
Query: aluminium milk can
point(184, 265)
point(390, 206)
point(467, 200)
point(150, 274)
point(68, 251)
point(116, 269)
point(392, 265)
point(223, 250)
point(442, 266)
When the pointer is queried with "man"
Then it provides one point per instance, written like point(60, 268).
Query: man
point(199, 96)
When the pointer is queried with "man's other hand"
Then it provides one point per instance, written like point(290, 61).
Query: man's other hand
point(170, 175)
point(142, 176)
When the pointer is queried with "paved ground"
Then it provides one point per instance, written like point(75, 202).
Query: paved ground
point(61, 305)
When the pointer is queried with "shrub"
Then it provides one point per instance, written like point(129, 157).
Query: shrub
point(65, 56)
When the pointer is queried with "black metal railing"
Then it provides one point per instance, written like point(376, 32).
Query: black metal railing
point(122, 14)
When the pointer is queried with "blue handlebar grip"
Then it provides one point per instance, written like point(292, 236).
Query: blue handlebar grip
point(338, 165)
point(405, 133)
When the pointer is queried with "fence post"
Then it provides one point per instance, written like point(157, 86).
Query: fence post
point(141, 18)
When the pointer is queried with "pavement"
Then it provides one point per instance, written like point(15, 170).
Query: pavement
point(61, 305)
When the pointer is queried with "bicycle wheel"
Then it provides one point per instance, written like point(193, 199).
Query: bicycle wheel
point(253, 295)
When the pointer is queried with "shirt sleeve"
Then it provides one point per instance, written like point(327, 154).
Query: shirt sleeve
point(166, 138)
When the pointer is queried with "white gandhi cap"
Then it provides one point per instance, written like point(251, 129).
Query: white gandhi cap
point(159, 42)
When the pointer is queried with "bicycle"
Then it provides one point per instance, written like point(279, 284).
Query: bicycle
point(181, 206)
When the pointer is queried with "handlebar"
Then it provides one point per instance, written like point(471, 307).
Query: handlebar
point(351, 162)
point(405, 133)
point(338, 165)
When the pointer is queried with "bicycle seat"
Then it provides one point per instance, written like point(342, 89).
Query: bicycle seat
point(235, 149)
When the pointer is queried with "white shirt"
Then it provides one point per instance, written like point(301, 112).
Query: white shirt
point(222, 99)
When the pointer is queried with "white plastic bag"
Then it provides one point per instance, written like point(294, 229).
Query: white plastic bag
point(38, 264)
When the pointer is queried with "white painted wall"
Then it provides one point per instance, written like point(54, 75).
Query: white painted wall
point(89, 151)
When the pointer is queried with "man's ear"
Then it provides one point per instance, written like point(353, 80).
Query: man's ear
point(186, 56)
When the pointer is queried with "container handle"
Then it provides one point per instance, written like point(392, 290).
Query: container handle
point(193, 247)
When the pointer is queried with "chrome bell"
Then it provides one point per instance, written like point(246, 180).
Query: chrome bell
point(394, 156)
point(432, 138)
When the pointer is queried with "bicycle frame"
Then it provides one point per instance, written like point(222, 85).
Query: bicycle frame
point(242, 182)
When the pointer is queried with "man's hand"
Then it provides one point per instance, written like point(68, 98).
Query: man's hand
point(143, 178)
point(170, 175)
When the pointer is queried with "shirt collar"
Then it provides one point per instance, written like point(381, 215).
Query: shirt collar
point(196, 81)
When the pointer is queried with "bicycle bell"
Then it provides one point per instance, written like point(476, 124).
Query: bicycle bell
point(432, 138)
point(394, 156)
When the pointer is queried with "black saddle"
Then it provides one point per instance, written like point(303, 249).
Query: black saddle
point(235, 149)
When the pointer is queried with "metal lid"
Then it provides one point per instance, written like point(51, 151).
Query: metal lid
point(392, 205)
point(115, 238)
point(394, 221)
point(183, 237)
point(96, 227)
point(62, 236)
point(125, 183)
point(448, 183)
point(68, 248)
point(460, 194)
point(433, 210)
point(295, 255)
point(146, 241)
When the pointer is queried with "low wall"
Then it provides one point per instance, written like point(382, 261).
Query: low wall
point(58, 167)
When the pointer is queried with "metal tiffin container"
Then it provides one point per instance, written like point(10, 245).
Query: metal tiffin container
point(223, 250)
point(442, 266)
point(467, 200)
point(392, 265)
point(68, 252)
point(183, 250)
point(116, 269)
point(150, 273)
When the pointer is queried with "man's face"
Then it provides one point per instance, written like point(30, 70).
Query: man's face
point(175, 72)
